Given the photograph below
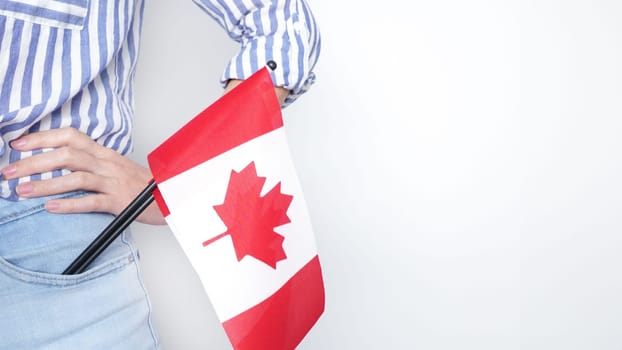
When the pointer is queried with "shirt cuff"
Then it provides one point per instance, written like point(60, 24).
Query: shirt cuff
point(293, 47)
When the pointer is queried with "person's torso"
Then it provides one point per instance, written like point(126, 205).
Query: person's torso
point(67, 63)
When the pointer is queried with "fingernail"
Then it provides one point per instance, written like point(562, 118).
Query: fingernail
point(52, 205)
point(9, 170)
point(17, 143)
point(24, 188)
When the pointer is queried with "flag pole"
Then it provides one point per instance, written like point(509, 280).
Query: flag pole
point(112, 231)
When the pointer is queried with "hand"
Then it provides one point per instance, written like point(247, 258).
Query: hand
point(114, 179)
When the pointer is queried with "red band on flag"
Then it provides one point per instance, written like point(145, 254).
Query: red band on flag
point(157, 195)
point(281, 321)
point(249, 110)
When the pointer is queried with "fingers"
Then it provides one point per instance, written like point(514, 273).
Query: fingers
point(86, 204)
point(72, 150)
point(61, 158)
point(62, 184)
point(56, 138)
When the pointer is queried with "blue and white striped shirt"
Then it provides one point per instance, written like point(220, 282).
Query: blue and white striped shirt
point(72, 63)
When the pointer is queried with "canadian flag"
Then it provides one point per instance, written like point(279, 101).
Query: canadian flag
point(229, 192)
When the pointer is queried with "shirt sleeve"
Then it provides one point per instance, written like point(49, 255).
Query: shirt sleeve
point(283, 31)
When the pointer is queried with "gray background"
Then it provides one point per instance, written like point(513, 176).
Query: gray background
point(461, 162)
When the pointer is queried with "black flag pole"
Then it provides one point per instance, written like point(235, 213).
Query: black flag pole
point(112, 231)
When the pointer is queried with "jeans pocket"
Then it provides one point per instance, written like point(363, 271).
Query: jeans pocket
point(66, 14)
point(106, 307)
point(36, 246)
point(23, 275)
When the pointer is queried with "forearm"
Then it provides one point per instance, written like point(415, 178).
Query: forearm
point(277, 30)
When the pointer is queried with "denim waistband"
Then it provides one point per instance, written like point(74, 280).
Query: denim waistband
point(14, 210)
point(37, 240)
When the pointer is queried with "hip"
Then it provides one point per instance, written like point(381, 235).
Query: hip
point(104, 307)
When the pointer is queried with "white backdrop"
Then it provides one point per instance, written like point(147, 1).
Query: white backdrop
point(461, 162)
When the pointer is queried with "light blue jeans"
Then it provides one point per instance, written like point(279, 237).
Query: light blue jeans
point(106, 307)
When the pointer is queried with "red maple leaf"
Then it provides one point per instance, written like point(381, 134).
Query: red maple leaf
point(251, 219)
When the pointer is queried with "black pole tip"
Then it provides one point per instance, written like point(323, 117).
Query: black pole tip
point(271, 64)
